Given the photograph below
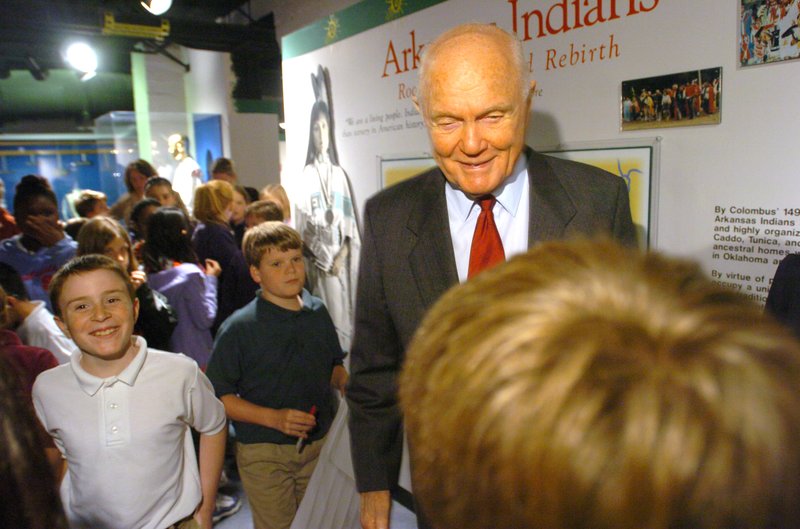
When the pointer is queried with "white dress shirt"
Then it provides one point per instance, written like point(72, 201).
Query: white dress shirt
point(510, 215)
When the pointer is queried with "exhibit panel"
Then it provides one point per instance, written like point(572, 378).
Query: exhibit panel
point(727, 190)
point(637, 87)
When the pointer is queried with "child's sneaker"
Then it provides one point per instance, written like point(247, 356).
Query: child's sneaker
point(226, 506)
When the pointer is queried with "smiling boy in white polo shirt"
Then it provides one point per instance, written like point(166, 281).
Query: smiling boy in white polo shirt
point(120, 414)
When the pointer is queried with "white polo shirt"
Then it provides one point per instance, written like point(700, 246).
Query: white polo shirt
point(126, 439)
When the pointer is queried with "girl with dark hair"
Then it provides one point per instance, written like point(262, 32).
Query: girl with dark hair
point(42, 246)
point(106, 236)
point(175, 271)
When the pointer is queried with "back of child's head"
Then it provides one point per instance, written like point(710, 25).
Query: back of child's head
point(264, 211)
point(95, 236)
point(73, 226)
point(277, 194)
point(87, 200)
point(12, 282)
point(138, 221)
point(211, 201)
point(30, 187)
point(223, 166)
point(169, 240)
point(274, 234)
point(587, 386)
point(83, 265)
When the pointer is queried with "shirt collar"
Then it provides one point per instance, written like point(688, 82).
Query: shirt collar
point(508, 195)
point(91, 384)
point(309, 303)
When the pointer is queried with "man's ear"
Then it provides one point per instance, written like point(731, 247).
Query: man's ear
point(531, 90)
point(255, 274)
point(416, 104)
point(63, 326)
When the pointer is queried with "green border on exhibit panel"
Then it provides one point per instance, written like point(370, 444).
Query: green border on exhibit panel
point(350, 21)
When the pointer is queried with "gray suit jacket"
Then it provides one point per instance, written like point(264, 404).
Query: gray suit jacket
point(407, 263)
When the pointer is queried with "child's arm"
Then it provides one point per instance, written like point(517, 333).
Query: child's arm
point(339, 378)
point(212, 454)
point(291, 422)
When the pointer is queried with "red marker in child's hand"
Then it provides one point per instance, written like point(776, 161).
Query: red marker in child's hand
point(299, 445)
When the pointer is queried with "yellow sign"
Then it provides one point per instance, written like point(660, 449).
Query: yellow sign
point(122, 29)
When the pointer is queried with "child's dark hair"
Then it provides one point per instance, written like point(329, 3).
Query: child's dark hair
point(136, 213)
point(98, 233)
point(266, 235)
point(169, 240)
point(30, 187)
point(156, 181)
point(12, 282)
point(74, 225)
point(82, 265)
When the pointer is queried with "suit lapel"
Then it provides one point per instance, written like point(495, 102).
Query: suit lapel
point(551, 208)
point(431, 258)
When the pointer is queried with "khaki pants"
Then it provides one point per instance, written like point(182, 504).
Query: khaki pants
point(275, 478)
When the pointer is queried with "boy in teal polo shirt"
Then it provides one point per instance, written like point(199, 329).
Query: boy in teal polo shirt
point(273, 366)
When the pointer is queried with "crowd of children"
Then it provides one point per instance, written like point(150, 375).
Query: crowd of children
point(124, 316)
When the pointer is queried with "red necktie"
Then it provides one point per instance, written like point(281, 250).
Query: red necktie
point(487, 248)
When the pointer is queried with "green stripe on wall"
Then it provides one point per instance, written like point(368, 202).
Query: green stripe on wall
point(141, 105)
point(258, 106)
point(350, 21)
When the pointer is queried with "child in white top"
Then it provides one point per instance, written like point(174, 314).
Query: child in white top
point(120, 414)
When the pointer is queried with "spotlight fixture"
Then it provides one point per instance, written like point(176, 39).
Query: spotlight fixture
point(82, 57)
point(157, 7)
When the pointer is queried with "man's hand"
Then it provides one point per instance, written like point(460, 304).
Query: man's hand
point(295, 422)
point(375, 506)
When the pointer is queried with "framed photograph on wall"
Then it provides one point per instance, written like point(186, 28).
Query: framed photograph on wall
point(674, 100)
point(394, 168)
point(769, 31)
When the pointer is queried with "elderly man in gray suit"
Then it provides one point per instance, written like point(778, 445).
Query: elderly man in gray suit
point(489, 198)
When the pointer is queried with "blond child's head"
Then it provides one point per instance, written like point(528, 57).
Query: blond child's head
point(583, 385)
point(212, 201)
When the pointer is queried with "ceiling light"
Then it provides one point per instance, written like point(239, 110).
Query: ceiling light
point(82, 57)
point(157, 7)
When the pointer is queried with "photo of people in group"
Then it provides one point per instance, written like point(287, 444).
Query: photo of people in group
point(675, 100)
